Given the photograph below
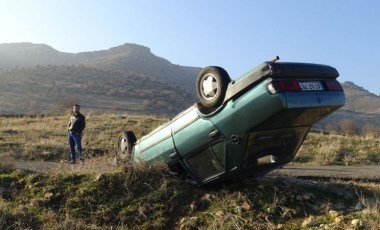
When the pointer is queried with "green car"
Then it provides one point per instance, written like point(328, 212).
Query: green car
point(249, 126)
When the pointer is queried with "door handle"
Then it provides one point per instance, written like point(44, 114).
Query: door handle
point(173, 155)
point(213, 133)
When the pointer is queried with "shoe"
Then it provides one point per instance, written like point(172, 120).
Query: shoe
point(82, 160)
point(72, 162)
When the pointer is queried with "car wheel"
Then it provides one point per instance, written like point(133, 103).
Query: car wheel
point(124, 145)
point(211, 86)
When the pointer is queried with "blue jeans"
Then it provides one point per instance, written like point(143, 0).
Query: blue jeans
point(75, 139)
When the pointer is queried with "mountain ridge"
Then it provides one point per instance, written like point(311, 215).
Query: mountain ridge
point(128, 77)
point(121, 70)
point(127, 57)
point(359, 99)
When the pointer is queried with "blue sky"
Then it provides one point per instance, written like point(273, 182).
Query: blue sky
point(237, 35)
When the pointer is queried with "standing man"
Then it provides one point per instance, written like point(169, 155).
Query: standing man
point(76, 126)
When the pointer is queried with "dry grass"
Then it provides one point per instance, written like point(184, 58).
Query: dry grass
point(150, 197)
point(44, 137)
point(98, 195)
point(371, 206)
point(319, 149)
point(6, 163)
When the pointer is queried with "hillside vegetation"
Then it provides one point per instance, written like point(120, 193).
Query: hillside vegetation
point(151, 197)
point(36, 78)
point(124, 58)
point(362, 108)
point(49, 89)
point(359, 99)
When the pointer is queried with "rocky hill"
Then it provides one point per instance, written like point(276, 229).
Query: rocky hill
point(37, 78)
point(125, 58)
point(359, 99)
point(52, 89)
point(362, 107)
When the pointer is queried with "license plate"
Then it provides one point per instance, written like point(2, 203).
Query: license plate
point(310, 85)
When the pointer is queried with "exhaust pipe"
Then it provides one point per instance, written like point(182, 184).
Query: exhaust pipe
point(276, 58)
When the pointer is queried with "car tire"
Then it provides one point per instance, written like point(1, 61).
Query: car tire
point(125, 143)
point(211, 86)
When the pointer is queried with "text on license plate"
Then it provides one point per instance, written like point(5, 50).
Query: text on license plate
point(310, 85)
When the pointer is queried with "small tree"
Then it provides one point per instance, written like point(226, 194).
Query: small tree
point(370, 131)
point(332, 128)
point(349, 127)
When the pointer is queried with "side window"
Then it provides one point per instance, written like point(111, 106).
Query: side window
point(210, 161)
point(219, 150)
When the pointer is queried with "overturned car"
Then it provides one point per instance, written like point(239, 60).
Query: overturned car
point(249, 126)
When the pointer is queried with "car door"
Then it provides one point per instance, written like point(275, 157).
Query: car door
point(200, 145)
point(157, 146)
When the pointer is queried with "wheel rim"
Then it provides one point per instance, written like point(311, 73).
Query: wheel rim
point(123, 146)
point(209, 87)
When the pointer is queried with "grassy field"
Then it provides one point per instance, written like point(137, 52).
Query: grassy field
point(320, 149)
point(45, 137)
point(150, 197)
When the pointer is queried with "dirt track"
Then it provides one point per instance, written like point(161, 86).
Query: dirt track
point(370, 173)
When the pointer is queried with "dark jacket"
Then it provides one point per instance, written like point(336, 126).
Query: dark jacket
point(77, 123)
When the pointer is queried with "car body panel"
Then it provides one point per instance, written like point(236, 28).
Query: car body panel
point(246, 112)
point(254, 121)
point(200, 130)
point(279, 70)
point(314, 99)
point(157, 146)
